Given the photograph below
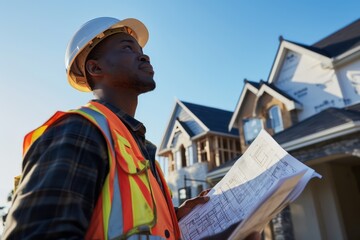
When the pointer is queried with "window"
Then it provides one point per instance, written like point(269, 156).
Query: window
point(202, 148)
point(225, 143)
point(183, 156)
point(178, 159)
point(184, 193)
point(275, 119)
point(190, 155)
point(228, 149)
point(164, 164)
point(252, 127)
point(175, 139)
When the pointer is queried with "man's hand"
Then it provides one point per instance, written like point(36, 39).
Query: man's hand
point(189, 204)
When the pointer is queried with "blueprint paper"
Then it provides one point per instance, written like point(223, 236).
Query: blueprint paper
point(263, 212)
point(251, 181)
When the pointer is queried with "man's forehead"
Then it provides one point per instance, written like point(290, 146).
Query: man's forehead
point(122, 37)
point(116, 39)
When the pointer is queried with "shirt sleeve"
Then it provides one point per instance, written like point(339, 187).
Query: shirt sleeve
point(63, 174)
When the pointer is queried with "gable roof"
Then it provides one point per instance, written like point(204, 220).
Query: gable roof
point(311, 48)
point(285, 46)
point(254, 84)
point(340, 41)
point(330, 122)
point(258, 89)
point(248, 86)
point(186, 128)
point(214, 119)
point(196, 120)
point(279, 91)
point(337, 43)
point(335, 49)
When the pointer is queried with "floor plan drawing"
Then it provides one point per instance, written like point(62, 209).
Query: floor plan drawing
point(246, 184)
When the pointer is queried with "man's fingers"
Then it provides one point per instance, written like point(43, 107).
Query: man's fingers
point(195, 201)
point(189, 204)
point(203, 193)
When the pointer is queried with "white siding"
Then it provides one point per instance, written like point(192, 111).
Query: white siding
point(303, 78)
point(349, 79)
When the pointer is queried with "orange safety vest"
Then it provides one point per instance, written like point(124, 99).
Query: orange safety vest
point(131, 202)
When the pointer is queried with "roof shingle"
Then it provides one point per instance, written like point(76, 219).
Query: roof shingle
point(324, 120)
point(215, 119)
point(341, 40)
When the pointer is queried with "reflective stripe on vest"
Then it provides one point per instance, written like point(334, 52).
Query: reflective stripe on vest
point(131, 202)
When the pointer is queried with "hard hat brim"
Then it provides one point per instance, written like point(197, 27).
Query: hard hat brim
point(138, 27)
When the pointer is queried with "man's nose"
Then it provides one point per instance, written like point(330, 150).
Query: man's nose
point(144, 58)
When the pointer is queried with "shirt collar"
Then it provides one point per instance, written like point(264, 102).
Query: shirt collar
point(129, 121)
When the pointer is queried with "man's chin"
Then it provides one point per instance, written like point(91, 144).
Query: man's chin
point(148, 87)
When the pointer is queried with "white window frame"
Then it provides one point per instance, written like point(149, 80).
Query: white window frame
point(275, 112)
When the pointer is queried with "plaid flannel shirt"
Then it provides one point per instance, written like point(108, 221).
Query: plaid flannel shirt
point(63, 175)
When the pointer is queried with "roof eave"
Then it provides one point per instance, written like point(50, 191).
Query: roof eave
point(247, 86)
point(346, 57)
point(213, 133)
point(322, 136)
point(196, 118)
point(163, 151)
point(162, 144)
point(217, 173)
point(289, 103)
point(283, 48)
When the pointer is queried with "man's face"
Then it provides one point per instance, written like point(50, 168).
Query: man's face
point(124, 65)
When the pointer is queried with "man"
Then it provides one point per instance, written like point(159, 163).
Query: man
point(90, 173)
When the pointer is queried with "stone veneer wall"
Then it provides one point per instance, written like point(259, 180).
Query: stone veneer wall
point(349, 145)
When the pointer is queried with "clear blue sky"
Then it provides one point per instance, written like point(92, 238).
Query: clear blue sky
point(201, 52)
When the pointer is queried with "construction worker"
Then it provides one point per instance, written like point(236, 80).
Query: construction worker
point(90, 173)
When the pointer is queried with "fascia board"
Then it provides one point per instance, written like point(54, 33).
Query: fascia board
point(213, 133)
point(327, 134)
point(172, 135)
point(218, 173)
point(223, 134)
point(302, 50)
point(284, 47)
point(167, 128)
point(173, 131)
point(247, 87)
point(193, 116)
point(199, 136)
point(290, 104)
point(278, 59)
point(346, 57)
point(164, 150)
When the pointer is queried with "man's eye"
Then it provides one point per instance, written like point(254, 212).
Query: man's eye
point(128, 48)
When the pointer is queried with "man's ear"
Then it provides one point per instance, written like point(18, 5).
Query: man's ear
point(93, 68)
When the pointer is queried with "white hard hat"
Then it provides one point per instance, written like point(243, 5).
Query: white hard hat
point(88, 36)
